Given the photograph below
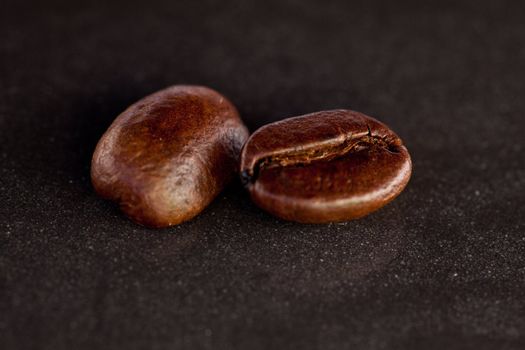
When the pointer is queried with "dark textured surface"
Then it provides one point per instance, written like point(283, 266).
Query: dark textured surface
point(443, 266)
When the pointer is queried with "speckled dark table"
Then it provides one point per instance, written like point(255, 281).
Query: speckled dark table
point(443, 266)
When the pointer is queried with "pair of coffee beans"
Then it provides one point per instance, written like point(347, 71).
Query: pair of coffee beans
point(166, 157)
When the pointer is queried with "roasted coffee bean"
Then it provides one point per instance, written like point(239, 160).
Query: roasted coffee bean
point(324, 167)
point(166, 157)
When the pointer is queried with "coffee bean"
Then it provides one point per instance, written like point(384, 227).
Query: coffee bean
point(166, 157)
point(324, 167)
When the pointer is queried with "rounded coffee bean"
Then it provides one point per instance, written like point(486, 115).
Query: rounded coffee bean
point(166, 157)
point(323, 167)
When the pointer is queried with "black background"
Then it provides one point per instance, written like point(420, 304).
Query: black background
point(443, 266)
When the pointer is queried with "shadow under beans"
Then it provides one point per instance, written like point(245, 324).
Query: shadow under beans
point(282, 258)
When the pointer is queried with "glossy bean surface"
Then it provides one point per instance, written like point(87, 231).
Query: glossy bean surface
point(166, 157)
point(322, 167)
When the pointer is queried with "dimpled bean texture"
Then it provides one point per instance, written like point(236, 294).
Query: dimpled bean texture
point(166, 157)
point(322, 167)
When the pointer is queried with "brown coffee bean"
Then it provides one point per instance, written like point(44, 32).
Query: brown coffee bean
point(323, 167)
point(166, 157)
